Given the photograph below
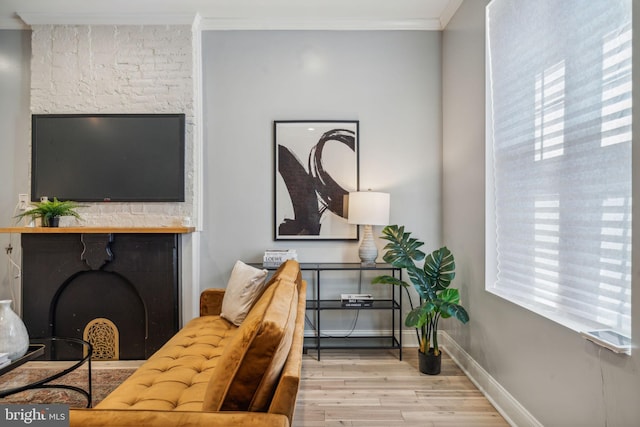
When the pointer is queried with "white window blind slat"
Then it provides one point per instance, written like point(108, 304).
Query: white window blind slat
point(559, 159)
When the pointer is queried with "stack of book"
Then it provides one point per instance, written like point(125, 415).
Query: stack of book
point(356, 300)
point(275, 257)
point(4, 359)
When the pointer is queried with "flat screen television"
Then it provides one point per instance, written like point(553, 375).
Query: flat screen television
point(108, 157)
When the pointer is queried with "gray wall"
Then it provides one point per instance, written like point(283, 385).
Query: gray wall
point(559, 377)
point(389, 81)
point(15, 55)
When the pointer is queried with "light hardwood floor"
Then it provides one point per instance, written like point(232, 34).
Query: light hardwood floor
point(374, 388)
point(369, 388)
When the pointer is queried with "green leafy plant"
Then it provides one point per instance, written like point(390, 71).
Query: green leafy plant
point(431, 281)
point(50, 209)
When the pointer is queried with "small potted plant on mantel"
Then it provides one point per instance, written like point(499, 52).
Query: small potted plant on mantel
point(50, 211)
point(432, 284)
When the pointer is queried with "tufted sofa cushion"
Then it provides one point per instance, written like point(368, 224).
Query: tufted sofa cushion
point(245, 375)
point(213, 365)
point(176, 376)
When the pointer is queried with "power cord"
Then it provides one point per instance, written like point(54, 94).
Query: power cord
point(12, 263)
point(14, 271)
point(353, 325)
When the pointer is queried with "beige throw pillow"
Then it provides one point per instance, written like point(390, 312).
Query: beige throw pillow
point(245, 285)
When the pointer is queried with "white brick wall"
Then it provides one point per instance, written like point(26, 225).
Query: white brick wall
point(119, 69)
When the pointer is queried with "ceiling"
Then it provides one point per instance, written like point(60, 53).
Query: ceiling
point(235, 14)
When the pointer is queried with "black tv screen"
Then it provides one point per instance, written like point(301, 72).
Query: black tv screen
point(108, 157)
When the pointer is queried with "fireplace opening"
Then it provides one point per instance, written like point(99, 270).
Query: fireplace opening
point(99, 294)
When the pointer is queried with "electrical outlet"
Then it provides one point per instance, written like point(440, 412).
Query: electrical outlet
point(23, 202)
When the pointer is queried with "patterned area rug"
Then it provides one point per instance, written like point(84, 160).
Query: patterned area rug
point(105, 376)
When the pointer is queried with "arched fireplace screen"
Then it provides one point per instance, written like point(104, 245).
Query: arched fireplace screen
point(104, 337)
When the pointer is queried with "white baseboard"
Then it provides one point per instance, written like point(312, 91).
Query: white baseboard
point(515, 414)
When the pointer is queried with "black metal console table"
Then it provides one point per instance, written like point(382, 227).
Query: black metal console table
point(318, 304)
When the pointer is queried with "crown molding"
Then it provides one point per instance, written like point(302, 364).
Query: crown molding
point(448, 12)
point(334, 24)
point(211, 23)
point(14, 23)
point(105, 19)
point(411, 15)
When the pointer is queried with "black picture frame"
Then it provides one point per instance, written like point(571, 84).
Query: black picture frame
point(316, 165)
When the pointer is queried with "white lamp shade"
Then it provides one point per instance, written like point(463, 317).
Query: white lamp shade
point(369, 208)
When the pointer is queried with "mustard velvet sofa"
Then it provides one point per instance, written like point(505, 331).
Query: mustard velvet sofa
point(214, 373)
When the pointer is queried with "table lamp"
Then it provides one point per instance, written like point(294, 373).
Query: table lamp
point(368, 208)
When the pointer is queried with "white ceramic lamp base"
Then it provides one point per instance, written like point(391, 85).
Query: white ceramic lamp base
point(368, 251)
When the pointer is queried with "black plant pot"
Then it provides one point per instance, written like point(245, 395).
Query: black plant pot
point(51, 222)
point(429, 363)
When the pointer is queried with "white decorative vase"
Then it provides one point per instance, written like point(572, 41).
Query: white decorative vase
point(14, 338)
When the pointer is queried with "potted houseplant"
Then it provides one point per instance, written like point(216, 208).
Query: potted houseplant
point(50, 211)
point(431, 281)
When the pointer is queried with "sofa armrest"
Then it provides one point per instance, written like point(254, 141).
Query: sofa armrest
point(137, 418)
point(211, 302)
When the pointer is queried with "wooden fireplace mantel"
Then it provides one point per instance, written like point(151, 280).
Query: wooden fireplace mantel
point(96, 230)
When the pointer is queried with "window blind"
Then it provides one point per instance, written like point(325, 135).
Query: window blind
point(559, 159)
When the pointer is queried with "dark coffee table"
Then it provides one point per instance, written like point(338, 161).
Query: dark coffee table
point(53, 348)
